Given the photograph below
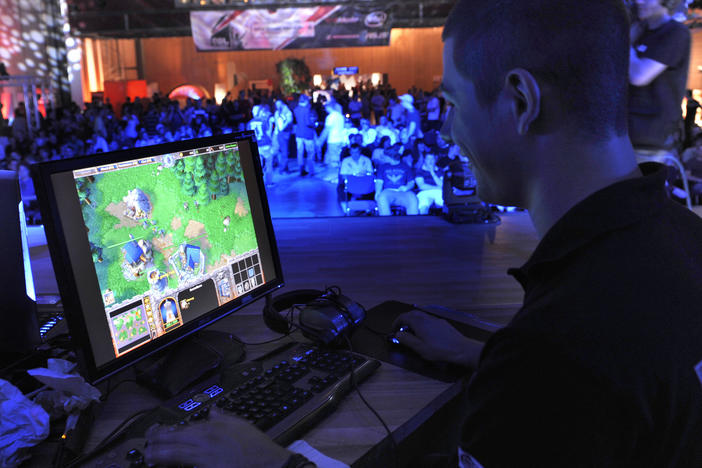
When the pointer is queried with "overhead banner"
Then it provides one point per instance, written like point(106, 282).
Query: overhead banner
point(290, 28)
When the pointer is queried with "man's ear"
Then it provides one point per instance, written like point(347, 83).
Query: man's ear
point(524, 93)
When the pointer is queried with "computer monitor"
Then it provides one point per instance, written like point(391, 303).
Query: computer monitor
point(151, 244)
point(19, 332)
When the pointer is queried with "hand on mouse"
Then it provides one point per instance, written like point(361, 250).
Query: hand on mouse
point(436, 340)
point(224, 441)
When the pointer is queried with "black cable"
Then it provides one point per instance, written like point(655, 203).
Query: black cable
point(285, 335)
point(354, 385)
point(111, 389)
point(116, 432)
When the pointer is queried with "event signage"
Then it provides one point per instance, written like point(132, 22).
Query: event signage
point(291, 28)
point(346, 71)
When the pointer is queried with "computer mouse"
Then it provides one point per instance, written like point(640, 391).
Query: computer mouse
point(392, 338)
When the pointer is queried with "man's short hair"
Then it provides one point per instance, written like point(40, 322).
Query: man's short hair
point(579, 47)
point(671, 4)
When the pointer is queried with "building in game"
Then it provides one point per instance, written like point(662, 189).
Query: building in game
point(138, 204)
point(137, 256)
point(188, 261)
point(192, 257)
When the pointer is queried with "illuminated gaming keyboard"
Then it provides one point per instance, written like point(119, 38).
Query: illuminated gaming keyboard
point(284, 394)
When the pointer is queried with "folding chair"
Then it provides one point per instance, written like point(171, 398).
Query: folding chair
point(356, 187)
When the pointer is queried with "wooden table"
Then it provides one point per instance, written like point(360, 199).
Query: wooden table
point(422, 260)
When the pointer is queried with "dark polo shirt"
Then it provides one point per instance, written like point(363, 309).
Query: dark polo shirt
point(598, 368)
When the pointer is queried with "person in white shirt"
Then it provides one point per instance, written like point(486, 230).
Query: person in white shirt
point(283, 130)
point(384, 128)
point(368, 132)
point(356, 163)
point(333, 133)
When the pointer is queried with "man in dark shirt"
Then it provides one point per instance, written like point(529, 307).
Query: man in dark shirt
point(393, 184)
point(304, 135)
point(602, 366)
point(659, 58)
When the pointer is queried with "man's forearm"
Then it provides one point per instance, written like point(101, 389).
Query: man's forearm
point(469, 356)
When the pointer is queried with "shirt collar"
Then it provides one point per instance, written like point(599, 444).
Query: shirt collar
point(609, 209)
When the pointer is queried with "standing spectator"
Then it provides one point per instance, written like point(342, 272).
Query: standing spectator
point(434, 112)
point(378, 105)
point(413, 120)
point(658, 65)
point(355, 107)
point(333, 133)
point(262, 124)
point(304, 135)
point(283, 128)
point(397, 113)
point(690, 114)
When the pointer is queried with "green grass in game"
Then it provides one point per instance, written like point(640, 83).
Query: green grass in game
point(174, 211)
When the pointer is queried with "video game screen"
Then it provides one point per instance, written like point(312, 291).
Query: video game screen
point(171, 237)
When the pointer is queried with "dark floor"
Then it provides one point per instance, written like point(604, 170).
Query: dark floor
point(293, 196)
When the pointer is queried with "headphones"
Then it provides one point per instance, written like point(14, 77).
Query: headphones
point(325, 316)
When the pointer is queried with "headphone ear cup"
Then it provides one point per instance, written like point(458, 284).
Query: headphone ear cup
point(272, 311)
point(330, 316)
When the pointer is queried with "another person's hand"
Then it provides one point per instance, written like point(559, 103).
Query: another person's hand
point(224, 441)
point(437, 340)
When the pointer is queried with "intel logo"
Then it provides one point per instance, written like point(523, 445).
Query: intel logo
point(376, 19)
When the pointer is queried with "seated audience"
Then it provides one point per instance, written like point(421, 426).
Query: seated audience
point(393, 187)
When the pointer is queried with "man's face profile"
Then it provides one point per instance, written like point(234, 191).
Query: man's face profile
point(462, 123)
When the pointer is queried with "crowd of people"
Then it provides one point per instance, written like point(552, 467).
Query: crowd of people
point(331, 134)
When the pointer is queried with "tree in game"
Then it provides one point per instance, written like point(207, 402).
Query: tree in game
point(189, 188)
point(213, 184)
point(179, 170)
point(96, 253)
point(83, 192)
point(223, 186)
point(221, 165)
point(234, 166)
point(200, 180)
point(203, 194)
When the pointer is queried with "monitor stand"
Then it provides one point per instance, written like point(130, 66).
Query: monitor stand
point(189, 361)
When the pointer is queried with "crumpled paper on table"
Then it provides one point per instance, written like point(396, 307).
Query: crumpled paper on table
point(23, 424)
point(70, 392)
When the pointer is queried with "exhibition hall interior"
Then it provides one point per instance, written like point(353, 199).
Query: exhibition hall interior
point(244, 212)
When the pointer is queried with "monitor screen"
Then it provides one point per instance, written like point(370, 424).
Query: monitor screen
point(154, 243)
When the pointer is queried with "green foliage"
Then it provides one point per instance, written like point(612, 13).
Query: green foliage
point(295, 76)
point(188, 185)
point(221, 165)
point(167, 198)
point(223, 188)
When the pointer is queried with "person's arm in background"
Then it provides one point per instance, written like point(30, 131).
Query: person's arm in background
point(421, 185)
point(642, 70)
point(378, 187)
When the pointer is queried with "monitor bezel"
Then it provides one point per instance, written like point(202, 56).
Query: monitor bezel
point(66, 281)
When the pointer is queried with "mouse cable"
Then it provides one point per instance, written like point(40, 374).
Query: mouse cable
point(110, 388)
point(285, 335)
point(111, 437)
point(354, 385)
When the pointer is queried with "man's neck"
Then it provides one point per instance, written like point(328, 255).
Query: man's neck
point(658, 20)
point(558, 189)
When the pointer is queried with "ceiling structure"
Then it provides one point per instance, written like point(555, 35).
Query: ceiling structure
point(160, 18)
